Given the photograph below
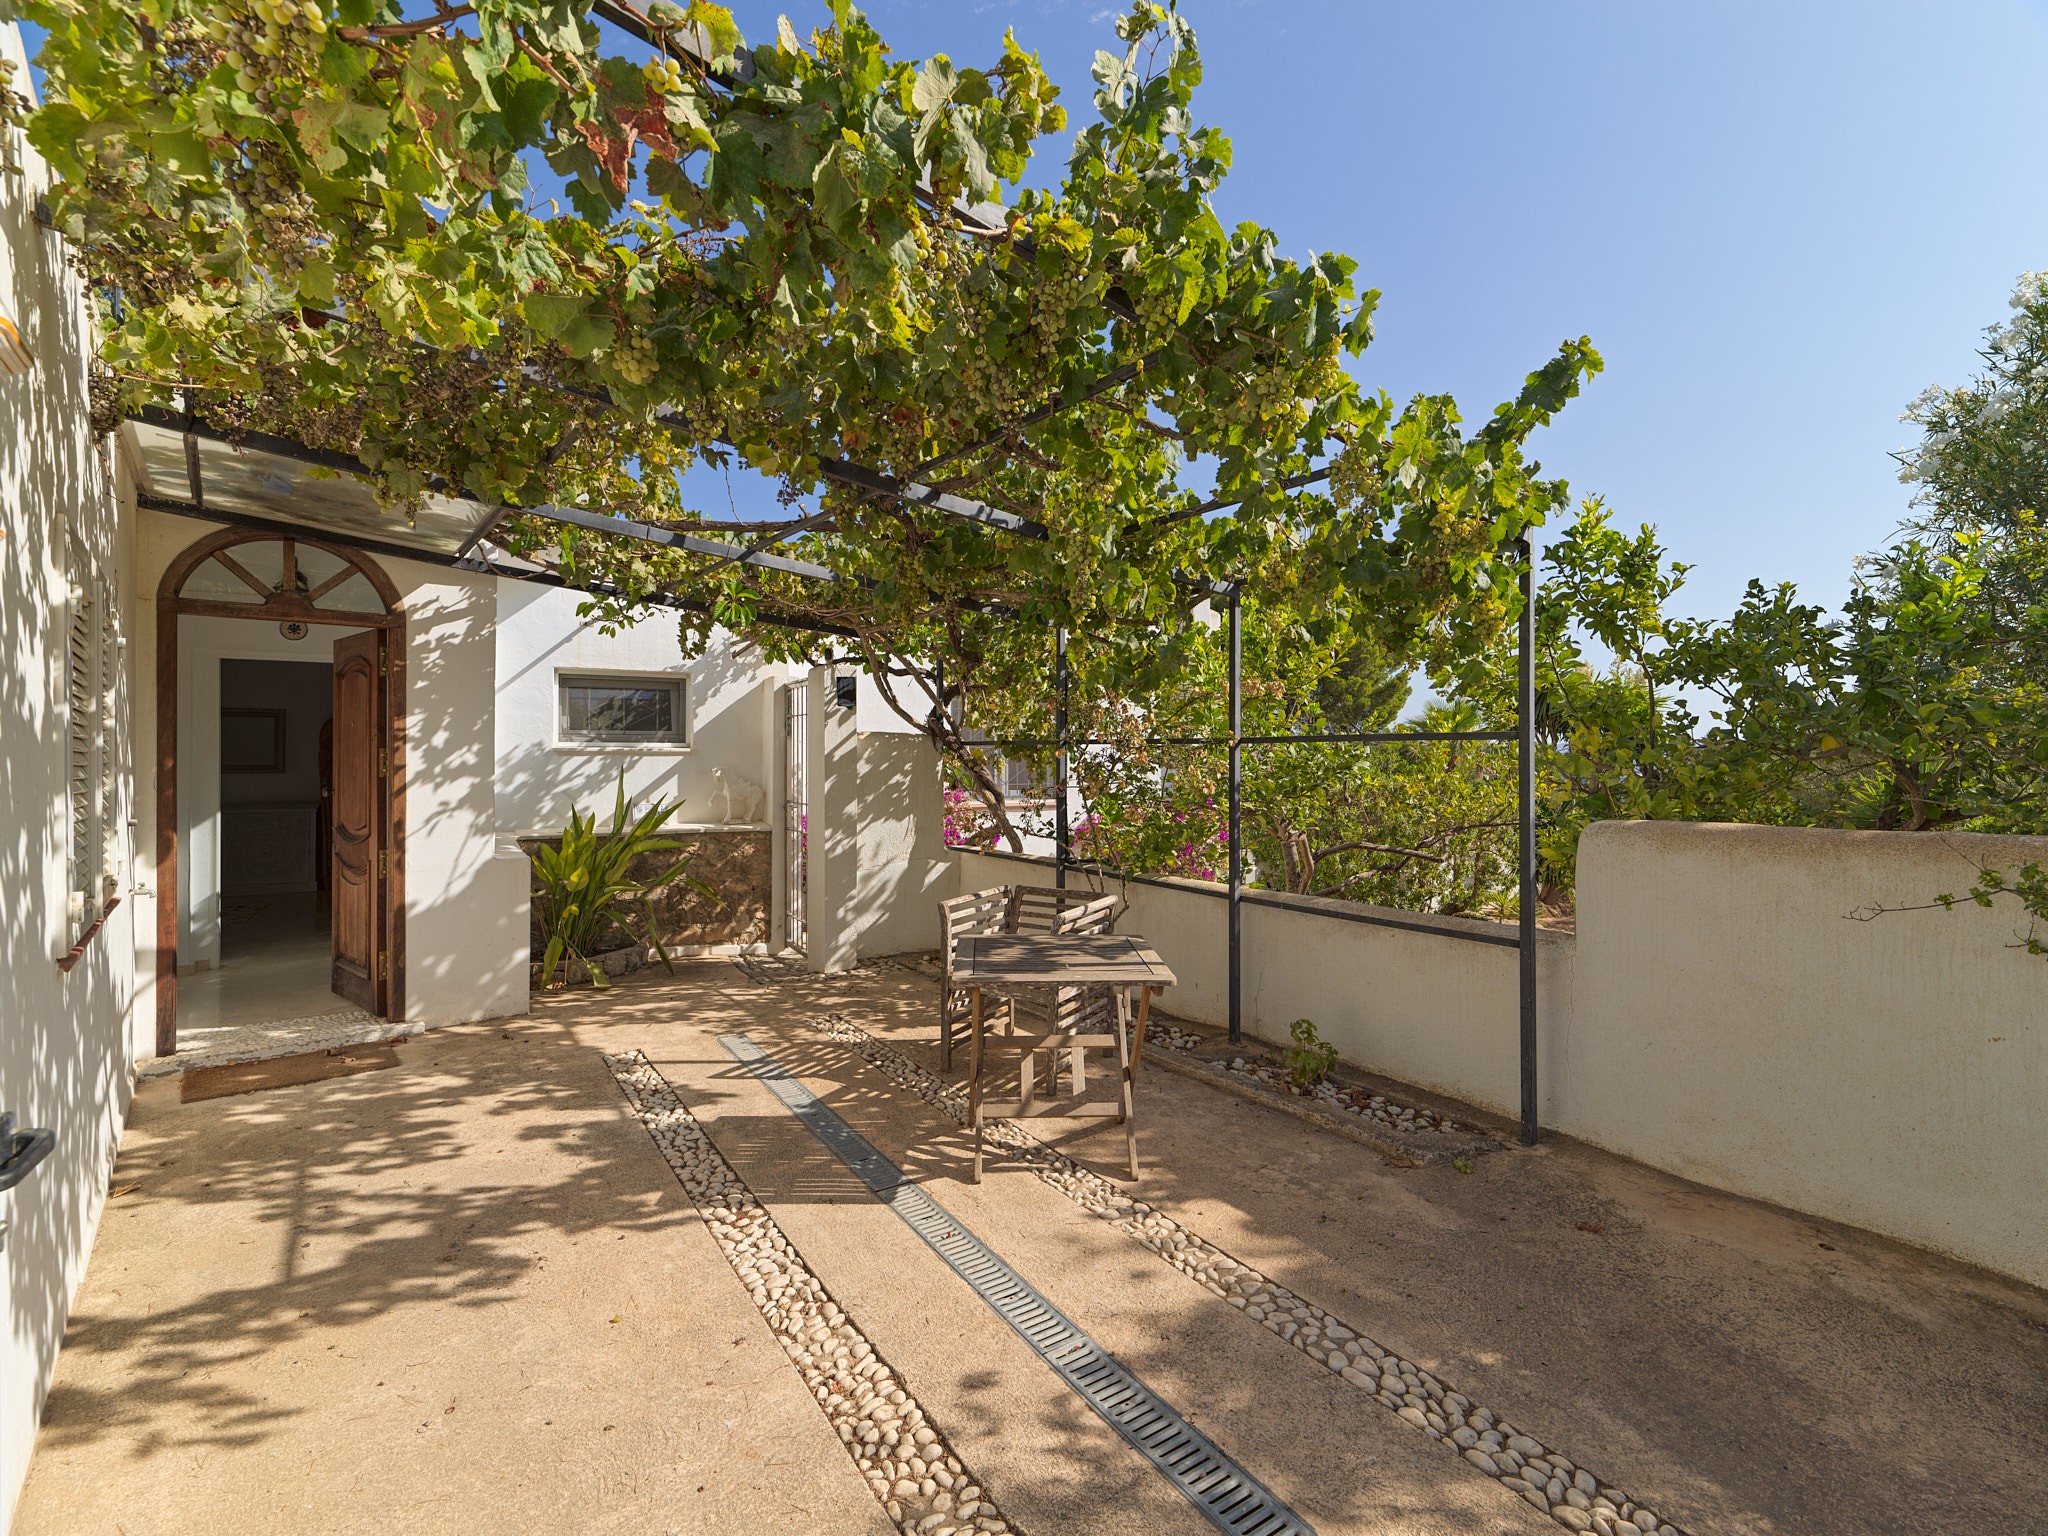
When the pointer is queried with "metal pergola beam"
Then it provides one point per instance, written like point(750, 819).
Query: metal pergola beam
point(669, 538)
point(1320, 738)
point(1235, 742)
point(964, 508)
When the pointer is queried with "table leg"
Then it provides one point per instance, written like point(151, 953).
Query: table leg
point(1077, 1059)
point(974, 1084)
point(1125, 1066)
point(1027, 1081)
point(1138, 1039)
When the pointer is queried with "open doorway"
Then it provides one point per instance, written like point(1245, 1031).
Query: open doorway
point(280, 796)
point(275, 838)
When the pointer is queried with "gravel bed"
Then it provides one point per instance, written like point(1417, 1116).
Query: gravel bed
point(1546, 1478)
point(909, 1465)
point(1366, 1105)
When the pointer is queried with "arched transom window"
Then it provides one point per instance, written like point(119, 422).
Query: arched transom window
point(239, 574)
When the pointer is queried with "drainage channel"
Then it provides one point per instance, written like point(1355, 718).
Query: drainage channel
point(1233, 1500)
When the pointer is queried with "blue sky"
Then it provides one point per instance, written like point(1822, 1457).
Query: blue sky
point(1778, 222)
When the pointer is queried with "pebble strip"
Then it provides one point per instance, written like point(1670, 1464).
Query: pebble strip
point(1547, 1479)
point(908, 1464)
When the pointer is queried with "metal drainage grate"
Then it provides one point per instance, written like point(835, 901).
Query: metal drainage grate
point(1231, 1497)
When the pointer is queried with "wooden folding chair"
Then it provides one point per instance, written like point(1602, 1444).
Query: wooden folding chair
point(981, 912)
point(1072, 1010)
point(1018, 909)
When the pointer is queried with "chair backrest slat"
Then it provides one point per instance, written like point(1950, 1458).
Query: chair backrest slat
point(1023, 909)
point(1044, 909)
point(961, 917)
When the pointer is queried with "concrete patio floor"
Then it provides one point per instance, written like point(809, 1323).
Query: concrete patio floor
point(468, 1294)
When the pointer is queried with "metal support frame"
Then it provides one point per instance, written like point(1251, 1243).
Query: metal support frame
point(1236, 809)
point(1061, 831)
point(1525, 774)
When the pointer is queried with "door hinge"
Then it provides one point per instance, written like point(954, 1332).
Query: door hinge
point(383, 763)
point(384, 966)
point(384, 863)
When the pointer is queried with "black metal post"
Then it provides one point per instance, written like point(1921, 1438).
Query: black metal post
point(1525, 736)
point(1059, 731)
point(1236, 797)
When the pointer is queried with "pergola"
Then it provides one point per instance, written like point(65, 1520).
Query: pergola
point(195, 467)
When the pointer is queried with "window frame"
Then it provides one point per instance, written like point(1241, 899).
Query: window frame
point(580, 741)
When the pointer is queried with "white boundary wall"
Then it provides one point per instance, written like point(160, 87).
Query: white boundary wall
point(1719, 1015)
point(1731, 1023)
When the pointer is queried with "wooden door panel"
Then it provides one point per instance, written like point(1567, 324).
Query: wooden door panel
point(357, 885)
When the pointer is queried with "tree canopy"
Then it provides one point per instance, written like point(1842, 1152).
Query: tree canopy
point(319, 221)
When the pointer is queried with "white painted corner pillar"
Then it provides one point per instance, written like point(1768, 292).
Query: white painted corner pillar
point(833, 809)
point(878, 864)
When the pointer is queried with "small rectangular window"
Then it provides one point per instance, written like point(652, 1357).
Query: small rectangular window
point(649, 710)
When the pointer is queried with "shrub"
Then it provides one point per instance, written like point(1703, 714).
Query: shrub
point(1309, 1059)
point(584, 885)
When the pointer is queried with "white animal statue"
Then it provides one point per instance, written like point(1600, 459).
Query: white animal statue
point(738, 799)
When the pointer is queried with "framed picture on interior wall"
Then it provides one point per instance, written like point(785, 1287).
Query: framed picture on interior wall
point(252, 741)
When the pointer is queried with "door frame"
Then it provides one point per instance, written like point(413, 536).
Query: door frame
point(277, 604)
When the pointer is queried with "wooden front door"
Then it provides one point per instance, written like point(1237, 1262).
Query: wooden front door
point(359, 887)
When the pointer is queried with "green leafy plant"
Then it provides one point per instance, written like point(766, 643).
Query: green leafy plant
point(2029, 886)
point(585, 884)
point(1309, 1059)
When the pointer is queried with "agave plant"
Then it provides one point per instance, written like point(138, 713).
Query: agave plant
point(584, 886)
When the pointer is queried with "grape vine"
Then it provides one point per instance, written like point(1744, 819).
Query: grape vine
point(321, 222)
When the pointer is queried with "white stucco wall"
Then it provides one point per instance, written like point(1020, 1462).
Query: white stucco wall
point(468, 933)
point(878, 863)
point(65, 1043)
point(1731, 1023)
point(905, 870)
point(465, 884)
point(734, 719)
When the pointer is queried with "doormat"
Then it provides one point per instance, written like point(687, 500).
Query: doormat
point(284, 1071)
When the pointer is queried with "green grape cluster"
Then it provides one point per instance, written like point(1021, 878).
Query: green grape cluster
point(1058, 295)
point(663, 74)
point(282, 220)
point(267, 31)
point(634, 361)
point(271, 48)
point(1356, 481)
point(1158, 312)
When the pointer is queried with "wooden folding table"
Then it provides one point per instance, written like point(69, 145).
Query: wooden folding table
point(1005, 964)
